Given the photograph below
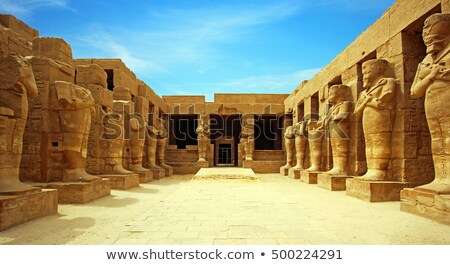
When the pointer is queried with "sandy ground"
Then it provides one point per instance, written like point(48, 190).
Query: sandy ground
point(274, 210)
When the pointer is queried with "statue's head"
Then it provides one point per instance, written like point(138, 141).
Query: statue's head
point(372, 71)
point(289, 132)
point(436, 32)
point(298, 129)
point(338, 93)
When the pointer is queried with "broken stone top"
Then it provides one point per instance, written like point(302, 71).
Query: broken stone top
point(14, 69)
point(53, 48)
point(122, 93)
point(12, 23)
point(339, 93)
point(91, 74)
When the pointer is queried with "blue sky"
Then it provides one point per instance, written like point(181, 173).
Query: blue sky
point(204, 47)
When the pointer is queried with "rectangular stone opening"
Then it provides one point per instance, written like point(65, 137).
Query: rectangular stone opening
point(300, 111)
point(184, 126)
point(151, 114)
point(268, 132)
point(314, 110)
point(110, 79)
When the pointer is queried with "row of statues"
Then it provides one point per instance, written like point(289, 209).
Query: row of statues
point(70, 113)
point(376, 107)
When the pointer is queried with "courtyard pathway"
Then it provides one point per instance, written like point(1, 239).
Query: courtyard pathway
point(274, 210)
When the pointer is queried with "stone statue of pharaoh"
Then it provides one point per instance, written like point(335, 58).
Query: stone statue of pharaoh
point(249, 146)
point(338, 125)
point(161, 146)
point(152, 143)
point(114, 144)
point(16, 85)
point(433, 81)
point(76, 106)
point(376, 106)
point(138, 128)
point(315, 137)
point(299, 130)
point(202, 137)
point(289, 144)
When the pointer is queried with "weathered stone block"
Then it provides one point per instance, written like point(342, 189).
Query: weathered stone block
point(284, 171)
point(84, 192)
point(426, 204)
point(123, 182)
point(294, 173)
point(332, 182)
point(158, 173)
point(17, 209)
point(309, 177)
point(375, 191)
point(145, 177)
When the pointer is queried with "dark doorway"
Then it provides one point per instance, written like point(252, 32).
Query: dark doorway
point(226, 129)
point(224, 154)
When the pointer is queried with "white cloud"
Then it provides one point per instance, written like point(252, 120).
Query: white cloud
point(26, 7)
point(179, 37)
point(100, 39)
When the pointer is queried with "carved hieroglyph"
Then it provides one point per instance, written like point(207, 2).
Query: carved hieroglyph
point(289, 143)
point(337, 123)
point(433, 81)
point(203, 137)
point(16, 85)
point(315, 138)
point(376, 105)
point(76, 106)
point(300, 144)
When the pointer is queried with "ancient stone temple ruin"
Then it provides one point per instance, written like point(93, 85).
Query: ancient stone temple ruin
point(373, 122)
